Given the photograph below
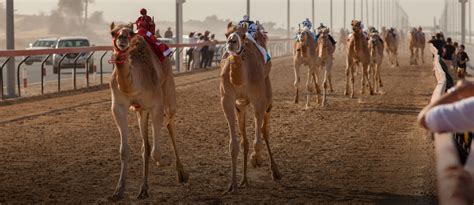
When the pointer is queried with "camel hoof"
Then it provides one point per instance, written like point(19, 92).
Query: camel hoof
point(372, 93)
point(231, 188)
point(116, 197)
point(164, 162)
point(346, 93)
point(256, 160)
point(243, 183)
point(276, 175)
point(143, 194)
point(183, 177)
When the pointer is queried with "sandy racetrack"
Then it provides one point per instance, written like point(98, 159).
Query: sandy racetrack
point(368, 149)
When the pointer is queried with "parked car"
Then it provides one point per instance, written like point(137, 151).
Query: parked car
point(68, 62)
point(42, 43)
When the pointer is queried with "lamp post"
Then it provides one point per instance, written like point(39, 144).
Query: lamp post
point(10, 46)
point(179, 30)
point(463, 20)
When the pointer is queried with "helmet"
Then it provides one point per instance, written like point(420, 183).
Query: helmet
point(143, 11)
point(246, 17)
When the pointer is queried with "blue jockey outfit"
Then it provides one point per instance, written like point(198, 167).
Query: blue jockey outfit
point(251, 30)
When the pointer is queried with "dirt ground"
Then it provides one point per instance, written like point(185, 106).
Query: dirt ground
point(364, 150)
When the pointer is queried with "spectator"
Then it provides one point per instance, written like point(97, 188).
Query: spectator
point(205, 50)
point(455, 60)
point(189, 52)
point(438, 43)
point(448, 53)
point(169, 33)
point(453, 112)
point(157, 33)
point(462, 59)
point(197, 52)
point(212, 50)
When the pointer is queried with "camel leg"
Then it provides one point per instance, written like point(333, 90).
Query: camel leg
point(256, 156)
point(316, 87)
point(143, 123)
point(396, 59)
point(119, 113)
point(157, 121)
point(297, 81)
point(309, 89)
point(422, 55)
point(349, 78)
point(228, 105)
point(182, 175)
point(266, 136)
point(244, 144)
point(325, 85)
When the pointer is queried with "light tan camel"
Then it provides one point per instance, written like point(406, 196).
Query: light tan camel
point(304, 54)
point(357, 53)
point(245, 80)
point(416, 43)
point(144, 84)
point(391, 45)
point(326, 55)
point(376, 49)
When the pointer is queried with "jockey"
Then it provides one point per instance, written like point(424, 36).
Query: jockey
point(373, 30)
point(146, 28)
point(392, 31)
point(251, 30)
point(308, 26)
point(321, 26)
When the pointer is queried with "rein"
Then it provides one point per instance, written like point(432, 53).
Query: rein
point(120, 54)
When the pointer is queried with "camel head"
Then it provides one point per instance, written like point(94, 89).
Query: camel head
point(356, 26)
point(261, 33)
point(323, 42)
point(303, 39)
point(235, 38)
point(121, 35)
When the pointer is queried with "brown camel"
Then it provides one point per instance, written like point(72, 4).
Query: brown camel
point(391, 44)
point(304, 53)
point(357, 53)
point(245, 80)
point(416, 43)
point(326, 55)
point(376, 49)
point(145, 85)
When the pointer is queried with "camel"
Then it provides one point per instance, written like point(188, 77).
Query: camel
point(325, 54)
point(376, 48)
point(342, 38)
point(416, 43)
point(245, 80)
point(357, 53)
point(304, 54)
point(142, 83)
point(391, 45)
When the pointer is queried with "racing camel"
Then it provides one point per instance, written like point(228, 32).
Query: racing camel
point(245, 80)
point(376, 49)
point(326, 55)
point(416, 43)
point(144, 84)
point(391, 44)
point(357, 53)
point(304, 53)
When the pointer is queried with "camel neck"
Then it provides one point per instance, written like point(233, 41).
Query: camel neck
point(123, 77)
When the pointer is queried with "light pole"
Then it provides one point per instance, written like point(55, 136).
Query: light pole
point(248, 8)
point(362, 10)
point(367, 11)
point(288, 19)
point(10, 46)
point(470, 30)
point(332, 28)
point(312, 10)
point(354, 10)
point(179, 30)
point(344, 21)
point(463, 21)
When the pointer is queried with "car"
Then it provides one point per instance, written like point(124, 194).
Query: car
point(42, 43)
point(68, 62)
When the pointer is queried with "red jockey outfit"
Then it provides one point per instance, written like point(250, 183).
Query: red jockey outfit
point(146, 28)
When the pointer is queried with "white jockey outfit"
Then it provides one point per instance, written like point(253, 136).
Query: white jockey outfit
point(308, 26)
point(251, 30)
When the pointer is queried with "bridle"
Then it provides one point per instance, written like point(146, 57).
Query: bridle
point(239, 41)
point(120, 54)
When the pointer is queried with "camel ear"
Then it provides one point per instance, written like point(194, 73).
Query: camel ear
point(229, 25)
point(112, 27)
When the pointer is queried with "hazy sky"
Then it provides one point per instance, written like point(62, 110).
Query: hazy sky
point(421, 12)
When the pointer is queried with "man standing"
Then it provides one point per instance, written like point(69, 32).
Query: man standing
point(462, 59)
point(205, 50)
point(169, 33)
point(212, 50)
